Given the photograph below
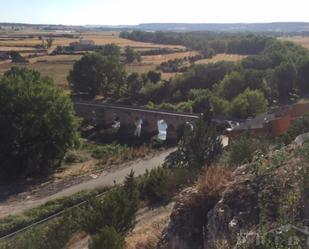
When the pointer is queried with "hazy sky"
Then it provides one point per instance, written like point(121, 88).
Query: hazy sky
point(143, 11)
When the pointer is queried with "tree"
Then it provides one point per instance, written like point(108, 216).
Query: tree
point(154, 76)
point(232, 85)
point(110, 50)
point(17, 57)
point(200, 104)
point(249, 104)
point(107, 238)
point(49, 42)
point(201, 145)
point(37, 124)
point(131, 55)
point(303, 77)
point(134, 85)
point(285, 76)
point(95, 74)
point(118, 210)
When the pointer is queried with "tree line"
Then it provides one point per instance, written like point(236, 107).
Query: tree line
point(209, 43)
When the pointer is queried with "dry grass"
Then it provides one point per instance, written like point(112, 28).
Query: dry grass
point(57, 70)
point(222, 57)
point(214, 180)
point(300, 40)
point(140, 67)
point(3, 48)
point(89, 165)
point(147, 231)
point(128, 154)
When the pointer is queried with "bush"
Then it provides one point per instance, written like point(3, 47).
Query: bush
point(300, 126)
point(51, 235)
point(185, 106)
point(243, 150)
point(37, 124)
point(73, 157)
point(15, 222)
point(107, 238)
point(117, 210)
point(162, 183)
point(102, 151)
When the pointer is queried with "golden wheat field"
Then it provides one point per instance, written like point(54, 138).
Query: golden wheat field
point(300, 40)
point(222, 57)
point(59, 66)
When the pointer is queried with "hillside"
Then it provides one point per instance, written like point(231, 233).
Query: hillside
point(260, 205)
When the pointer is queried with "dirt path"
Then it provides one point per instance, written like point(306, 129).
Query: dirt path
point(109, 179)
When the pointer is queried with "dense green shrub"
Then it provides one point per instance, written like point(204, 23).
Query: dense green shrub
point(15, 222)
point(117, 209)
point(300, 126)
point(162, 183)
point(244, 148)
point(185, 106)
point(200, 145)
point(107, 238)
point(54, 234)
point(37, 124)
point(102, 151)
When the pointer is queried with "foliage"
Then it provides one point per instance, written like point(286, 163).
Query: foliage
point(200, 146)
point(206, 42)
point(284, 77)
point(54, 234)
point(300, 126)
point(278, 158)
point(304, 151)
point(117, 210)
point(17, 57)
point(107, 238)
point(231, 85)
point(110, 50)
point(249, 104)
point(134, 85)
point(95, 74)
point(173, 66)
point(185, 107)
point(101, 151)
point(243, 149)
point(162, 183)
point(37, 124)
point(15, 222)
point(131, 55)
point(154, 76)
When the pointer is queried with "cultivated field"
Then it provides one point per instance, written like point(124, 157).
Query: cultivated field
point(300, 40)
point(59, 66)
point(222, 57)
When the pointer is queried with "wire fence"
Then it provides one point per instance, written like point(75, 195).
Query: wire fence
point(49, 218)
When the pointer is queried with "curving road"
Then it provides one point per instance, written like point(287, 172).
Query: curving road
point(102, 181)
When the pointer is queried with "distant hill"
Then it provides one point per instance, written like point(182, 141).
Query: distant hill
point(228, 27)
point(275, 27)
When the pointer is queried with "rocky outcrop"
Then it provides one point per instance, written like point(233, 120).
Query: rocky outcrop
point(230, 219)
point(200, 221)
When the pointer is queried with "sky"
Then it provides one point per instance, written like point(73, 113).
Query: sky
point(130, 12)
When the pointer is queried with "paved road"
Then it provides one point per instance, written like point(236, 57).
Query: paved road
point(102, 181)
